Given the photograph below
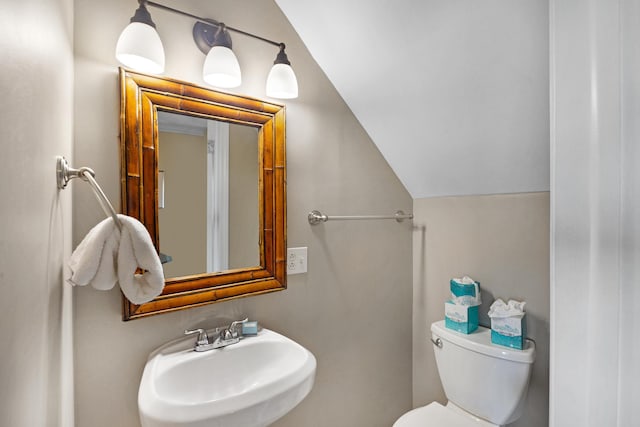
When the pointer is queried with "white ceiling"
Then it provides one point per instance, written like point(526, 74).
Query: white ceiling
point(455, 93)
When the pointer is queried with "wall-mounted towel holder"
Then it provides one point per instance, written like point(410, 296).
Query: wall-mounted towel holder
point(316, 217)
point(64, 174)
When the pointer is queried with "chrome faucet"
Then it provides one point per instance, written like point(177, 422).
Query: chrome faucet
point(231, 332)
point(225, 336)
point(203, 338)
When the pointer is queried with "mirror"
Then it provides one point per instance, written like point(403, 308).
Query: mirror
point(208, 187)
point(205, 172)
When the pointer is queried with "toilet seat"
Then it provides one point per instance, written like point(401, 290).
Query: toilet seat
point(434, 415)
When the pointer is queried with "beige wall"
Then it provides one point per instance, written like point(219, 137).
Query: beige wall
point(352, 309)
point(502, 241)
point(36, 110)
point(184, 217)
point(243, 197)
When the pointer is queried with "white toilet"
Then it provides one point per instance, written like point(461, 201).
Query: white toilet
point(486, 384)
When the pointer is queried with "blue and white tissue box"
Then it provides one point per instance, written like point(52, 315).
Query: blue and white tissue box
point(508, 324)
point(465, 291)
point(461, 311)
point(461, 318)
point(509, 332)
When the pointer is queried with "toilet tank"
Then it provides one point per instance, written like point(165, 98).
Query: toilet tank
point(487, 380)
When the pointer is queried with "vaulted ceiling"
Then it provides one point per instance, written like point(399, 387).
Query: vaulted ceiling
point(454, 93)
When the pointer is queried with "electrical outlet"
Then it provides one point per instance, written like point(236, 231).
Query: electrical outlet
point(296, 260)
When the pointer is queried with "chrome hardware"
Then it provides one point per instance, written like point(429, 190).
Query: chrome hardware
point(437, 342)
point(316, 217)
point(203, 338)
point(223, 336)
point(231, 332)
point(64, 174)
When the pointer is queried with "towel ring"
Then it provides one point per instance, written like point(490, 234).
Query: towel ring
point(64, 174)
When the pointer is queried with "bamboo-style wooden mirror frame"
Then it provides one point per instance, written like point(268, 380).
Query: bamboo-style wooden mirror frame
point(141, 97)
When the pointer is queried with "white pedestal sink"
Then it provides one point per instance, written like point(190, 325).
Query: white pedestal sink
point(248, 384)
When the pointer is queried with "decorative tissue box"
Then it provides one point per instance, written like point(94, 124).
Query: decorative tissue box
point(460, 289)
point(509, 331)
point(461, 318)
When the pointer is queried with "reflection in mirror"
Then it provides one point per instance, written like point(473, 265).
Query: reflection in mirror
point(209, 175)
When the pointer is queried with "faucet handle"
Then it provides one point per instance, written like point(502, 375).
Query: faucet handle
point(203, 338)
point(231, 331)
point(235, 323)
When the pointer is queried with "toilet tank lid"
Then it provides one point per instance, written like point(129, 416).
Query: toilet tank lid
point(480, 342)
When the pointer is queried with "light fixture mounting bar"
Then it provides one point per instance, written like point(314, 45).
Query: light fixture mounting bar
point(212, 22)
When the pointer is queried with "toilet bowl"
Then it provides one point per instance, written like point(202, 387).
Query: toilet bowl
point(485, 384)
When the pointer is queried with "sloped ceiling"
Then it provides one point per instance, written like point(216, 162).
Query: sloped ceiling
point(455, 93)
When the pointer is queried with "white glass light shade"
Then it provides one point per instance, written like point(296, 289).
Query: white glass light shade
point(139, 48)
point(221, 68)
point(282, 82)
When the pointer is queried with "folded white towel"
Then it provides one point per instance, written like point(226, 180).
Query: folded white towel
point(106, 257)
point(93, 261)
point(137, 251)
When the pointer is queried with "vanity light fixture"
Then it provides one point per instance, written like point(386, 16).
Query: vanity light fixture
point(139, 48)
point(221, 68)
point(281, 82)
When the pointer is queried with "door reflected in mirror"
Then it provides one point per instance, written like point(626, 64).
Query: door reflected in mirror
point(209, 187)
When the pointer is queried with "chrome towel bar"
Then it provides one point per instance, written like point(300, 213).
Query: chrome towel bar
point(64, 174)
point(316, 217)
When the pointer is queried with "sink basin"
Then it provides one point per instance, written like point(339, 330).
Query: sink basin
point(248, 384)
